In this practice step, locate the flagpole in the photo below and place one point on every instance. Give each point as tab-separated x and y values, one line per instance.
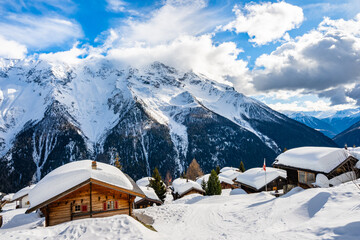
265	174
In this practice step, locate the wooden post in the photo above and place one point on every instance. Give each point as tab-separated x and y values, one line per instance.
71	211
90	200
129	206
47	216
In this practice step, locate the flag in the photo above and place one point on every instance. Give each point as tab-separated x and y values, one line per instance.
264	167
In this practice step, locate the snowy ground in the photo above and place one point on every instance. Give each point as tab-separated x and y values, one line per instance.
328	213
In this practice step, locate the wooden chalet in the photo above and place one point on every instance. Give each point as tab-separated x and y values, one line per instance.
254	180
150	198
83	189
182	187
225	183
21	197
303	164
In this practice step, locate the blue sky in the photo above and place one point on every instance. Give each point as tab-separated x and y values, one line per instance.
272	50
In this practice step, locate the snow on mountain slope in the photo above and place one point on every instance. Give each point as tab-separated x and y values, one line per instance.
315	123
319	213
53	113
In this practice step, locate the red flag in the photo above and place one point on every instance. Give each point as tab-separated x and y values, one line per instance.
264	167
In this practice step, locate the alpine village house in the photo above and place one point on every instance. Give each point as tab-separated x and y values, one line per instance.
305	163
83	189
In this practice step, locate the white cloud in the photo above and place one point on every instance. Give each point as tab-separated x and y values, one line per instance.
70	57
11	49
190	53
320	61
115	5
308	106
174	19
39	32
266	22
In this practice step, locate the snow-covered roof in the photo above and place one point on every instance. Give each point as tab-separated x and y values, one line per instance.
181	186
144	182
74	173
149	193
224	169
355	152
255	177
206	178
321	159
8	197
230	174
22	192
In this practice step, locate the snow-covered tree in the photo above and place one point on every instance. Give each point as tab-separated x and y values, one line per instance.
158	185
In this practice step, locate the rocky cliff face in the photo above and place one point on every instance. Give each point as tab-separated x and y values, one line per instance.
156	116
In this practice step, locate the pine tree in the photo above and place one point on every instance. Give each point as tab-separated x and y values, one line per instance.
157	184
242	167
203	184
213	185
194	170
217	169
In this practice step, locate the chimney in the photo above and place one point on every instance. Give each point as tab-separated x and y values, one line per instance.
93	165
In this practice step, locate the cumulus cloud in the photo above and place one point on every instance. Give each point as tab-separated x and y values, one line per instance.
266	22
325	58
39	32
198	54
11	49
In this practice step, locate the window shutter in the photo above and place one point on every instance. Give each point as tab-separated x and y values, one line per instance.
104	206
116	204
84	208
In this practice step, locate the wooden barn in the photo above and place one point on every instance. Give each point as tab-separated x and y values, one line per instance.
254	179
21	197
182	187
305	163
83	189
225	182
150	198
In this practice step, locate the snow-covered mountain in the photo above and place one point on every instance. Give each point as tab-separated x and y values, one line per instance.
313	122
154	116
350	136
342	120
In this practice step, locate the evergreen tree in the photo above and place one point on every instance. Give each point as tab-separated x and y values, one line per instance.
203	185
157	184
217	169
213	185
194	170
242	167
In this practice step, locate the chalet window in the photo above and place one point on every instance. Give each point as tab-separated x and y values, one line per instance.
77	208
110	205
306	177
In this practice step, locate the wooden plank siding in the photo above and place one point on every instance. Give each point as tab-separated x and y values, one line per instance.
92	197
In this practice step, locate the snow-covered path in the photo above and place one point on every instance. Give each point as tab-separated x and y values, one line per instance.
331	213
327	213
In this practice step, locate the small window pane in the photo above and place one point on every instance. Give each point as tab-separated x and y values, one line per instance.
310	177
302	177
